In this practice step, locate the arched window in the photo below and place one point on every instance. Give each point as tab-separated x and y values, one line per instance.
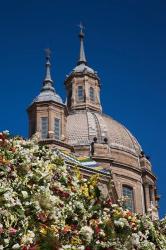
128	198
57	129
80	93
44	127
91	94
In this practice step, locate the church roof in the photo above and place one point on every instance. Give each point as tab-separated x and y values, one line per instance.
83	126
48	92
48	96
82	64
83	68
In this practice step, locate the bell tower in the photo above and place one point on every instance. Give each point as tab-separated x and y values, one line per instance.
83	84
47	113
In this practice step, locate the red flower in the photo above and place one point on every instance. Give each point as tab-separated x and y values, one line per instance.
2	136
87	248
73	227
66	195
66	229
109	202
97	230
24	248
33	248
13	149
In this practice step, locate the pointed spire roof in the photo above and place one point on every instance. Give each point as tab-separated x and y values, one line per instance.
48	82
48	92
82	65
82	57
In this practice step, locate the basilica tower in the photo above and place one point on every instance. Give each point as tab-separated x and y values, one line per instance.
83	84
47	113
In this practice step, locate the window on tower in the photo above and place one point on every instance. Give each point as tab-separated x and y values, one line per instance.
128	198
91	94
44	127
80	93
57	128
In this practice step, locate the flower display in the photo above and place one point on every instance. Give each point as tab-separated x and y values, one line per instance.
46	205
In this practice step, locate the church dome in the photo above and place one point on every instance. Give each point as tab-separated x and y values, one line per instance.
83	126
81	68
86	120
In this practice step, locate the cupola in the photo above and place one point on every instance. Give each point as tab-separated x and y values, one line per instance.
47	113
83	84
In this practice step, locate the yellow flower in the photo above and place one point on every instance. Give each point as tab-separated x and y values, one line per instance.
94	180
75	240
85	190
50	167
78	173
54	228
43	230
93	222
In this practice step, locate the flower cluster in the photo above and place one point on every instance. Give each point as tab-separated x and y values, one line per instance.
45	205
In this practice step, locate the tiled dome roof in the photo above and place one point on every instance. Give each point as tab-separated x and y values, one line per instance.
83	126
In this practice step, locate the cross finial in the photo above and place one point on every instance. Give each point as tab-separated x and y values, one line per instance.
48	53
82	58
81	27
48	80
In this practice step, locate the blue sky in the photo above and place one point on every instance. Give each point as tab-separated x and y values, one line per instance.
125	42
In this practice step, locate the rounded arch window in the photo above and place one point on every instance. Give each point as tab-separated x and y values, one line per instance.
92	94
128	195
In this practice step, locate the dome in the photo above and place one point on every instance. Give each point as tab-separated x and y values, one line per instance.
48	95
83	68
83	126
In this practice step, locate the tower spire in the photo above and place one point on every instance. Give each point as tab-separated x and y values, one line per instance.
48	82
82	57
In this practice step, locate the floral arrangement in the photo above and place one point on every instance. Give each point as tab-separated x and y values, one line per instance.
45	205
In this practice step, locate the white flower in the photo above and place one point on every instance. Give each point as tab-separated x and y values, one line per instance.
121	222
1	247
87	232
6	241
135	239
16	246
29	237
81	248
114	205
7	196
24	194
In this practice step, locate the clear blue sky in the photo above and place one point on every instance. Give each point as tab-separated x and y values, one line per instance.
126	44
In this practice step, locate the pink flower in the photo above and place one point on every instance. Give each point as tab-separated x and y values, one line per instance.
1	229
12	231
42	217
